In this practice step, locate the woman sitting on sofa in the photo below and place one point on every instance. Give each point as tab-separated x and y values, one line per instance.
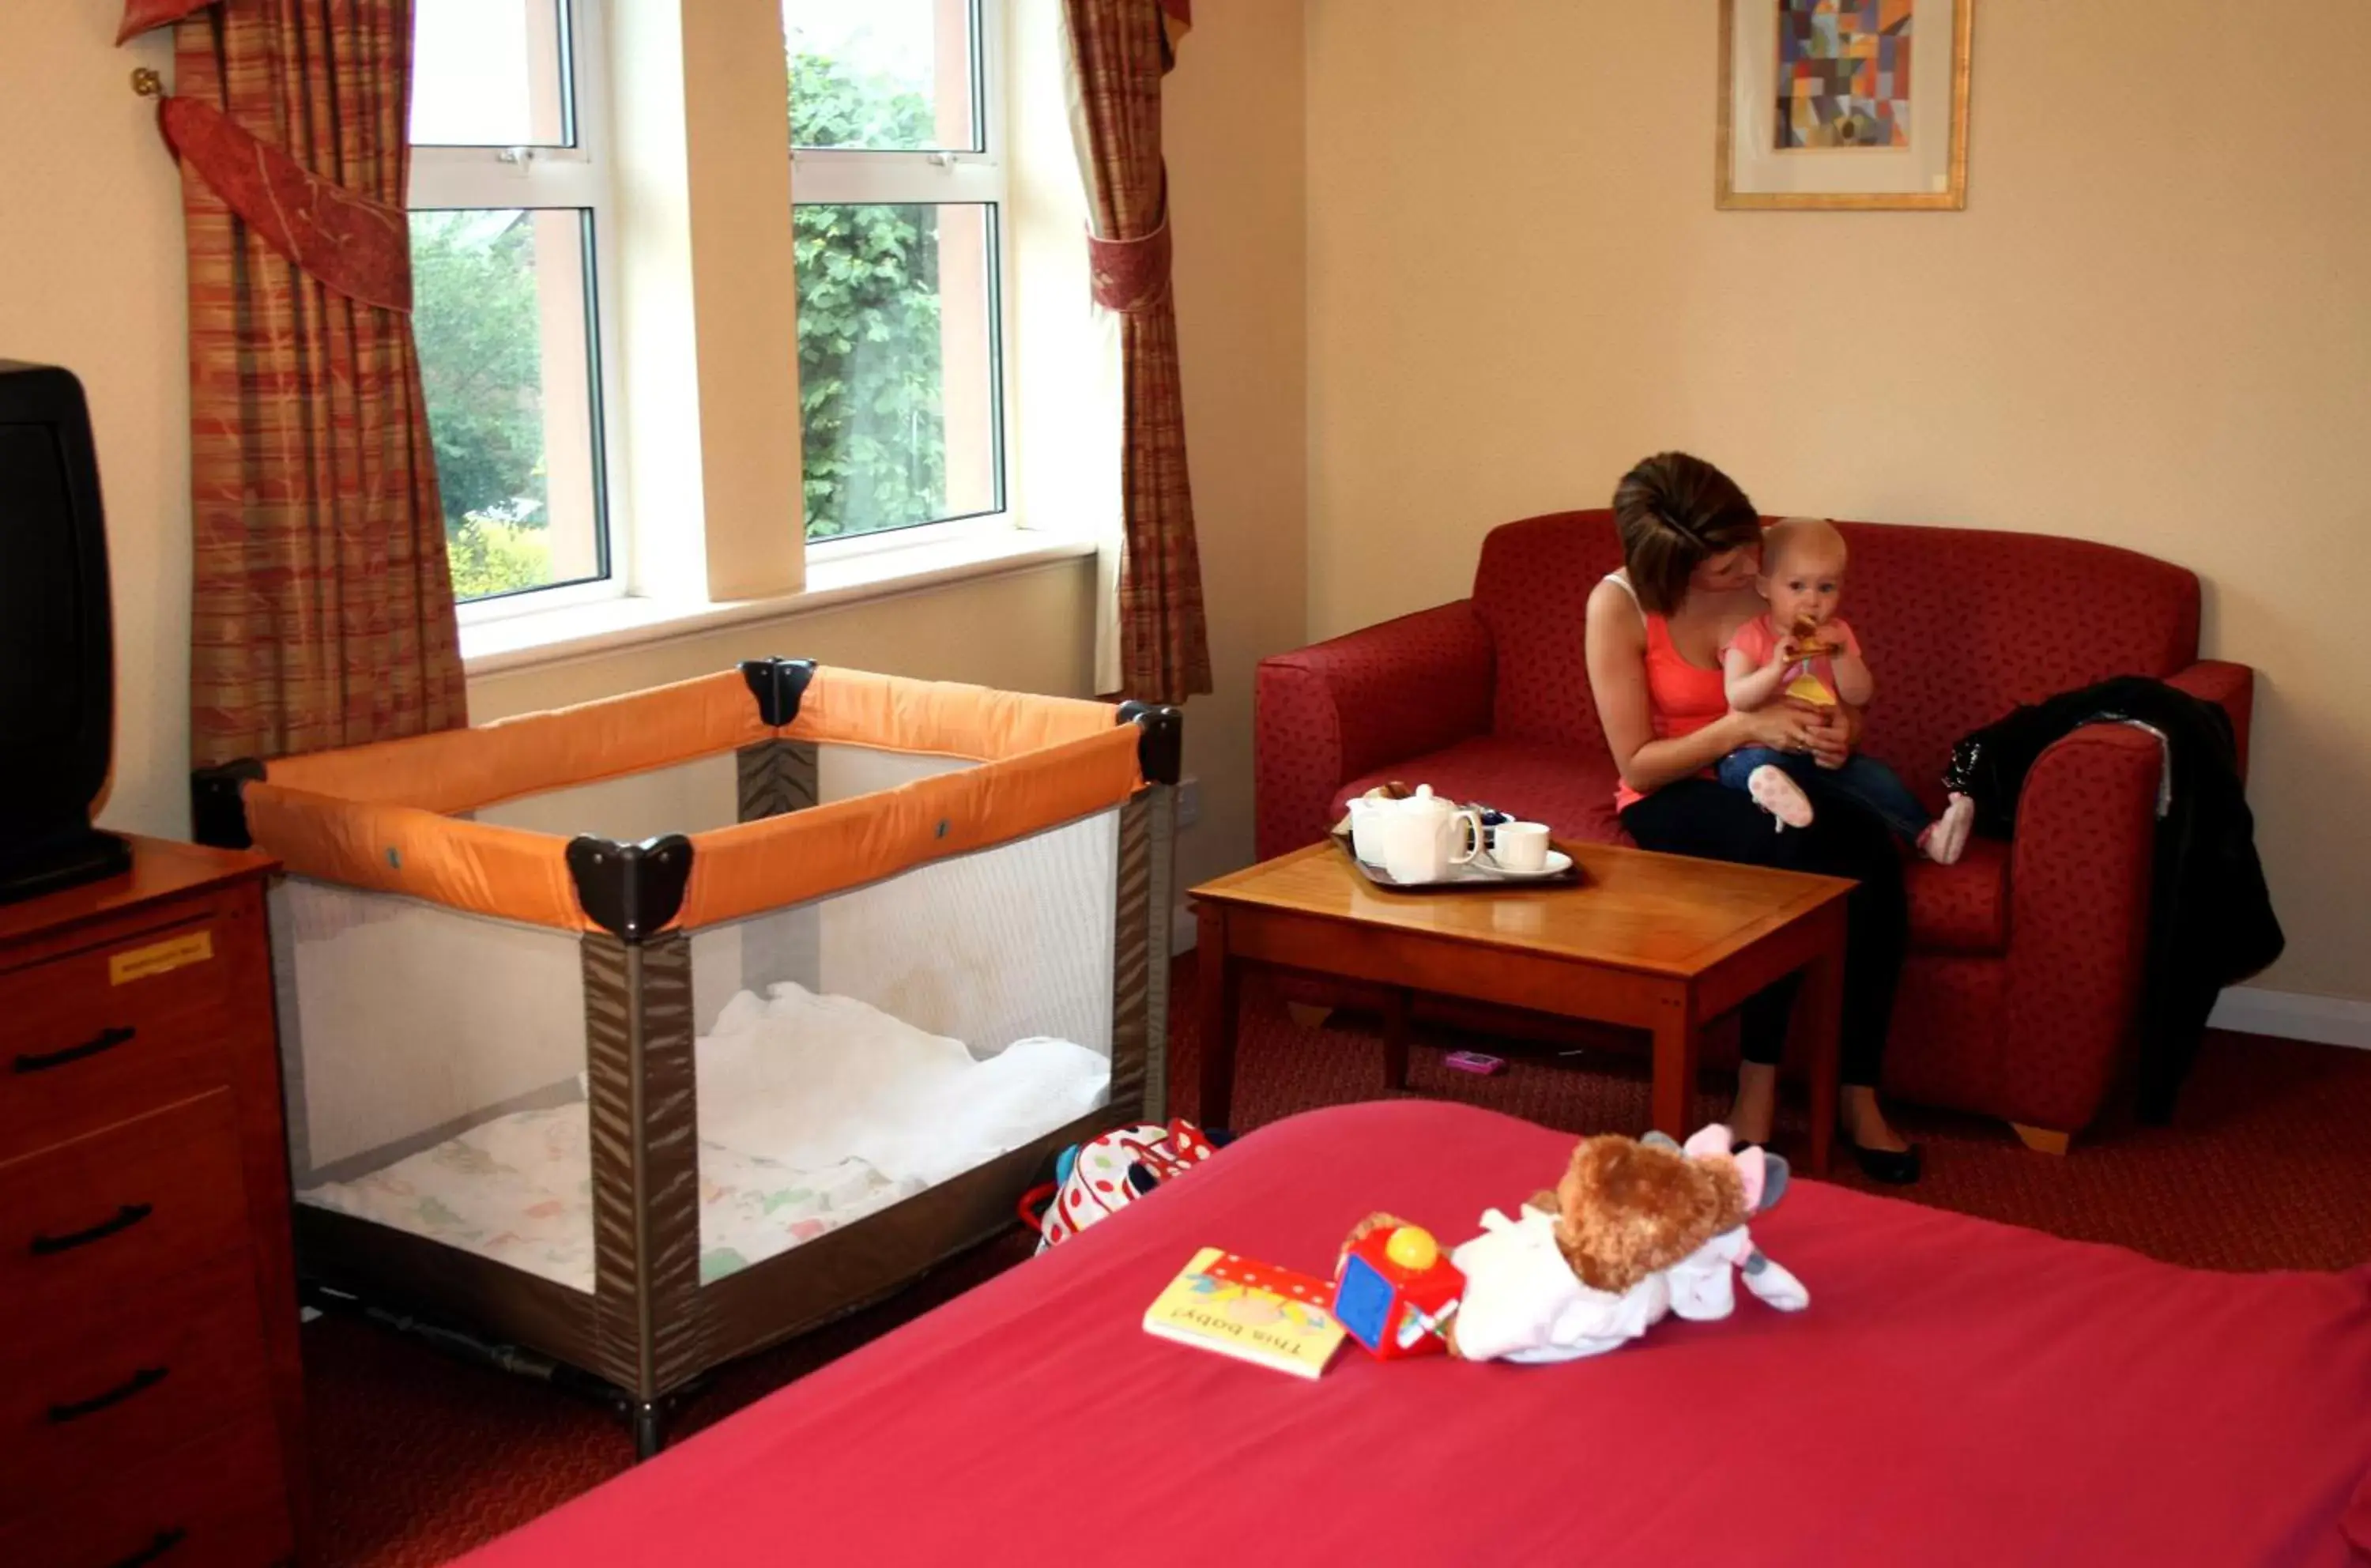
1690	544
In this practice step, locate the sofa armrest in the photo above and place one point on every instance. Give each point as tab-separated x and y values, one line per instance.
1326	714
2231	688
2080	872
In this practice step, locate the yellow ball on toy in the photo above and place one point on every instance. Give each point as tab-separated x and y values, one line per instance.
1412	1248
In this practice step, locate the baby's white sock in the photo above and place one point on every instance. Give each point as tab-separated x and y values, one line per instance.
1946	838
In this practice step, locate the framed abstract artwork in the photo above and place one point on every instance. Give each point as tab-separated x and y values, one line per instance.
1843	104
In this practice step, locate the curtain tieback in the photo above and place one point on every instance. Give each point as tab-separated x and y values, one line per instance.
349	243
343	240
1131	276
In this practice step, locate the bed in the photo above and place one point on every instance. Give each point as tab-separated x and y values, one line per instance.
1959	1391
624	1040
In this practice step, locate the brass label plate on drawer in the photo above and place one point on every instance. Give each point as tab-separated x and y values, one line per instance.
159	958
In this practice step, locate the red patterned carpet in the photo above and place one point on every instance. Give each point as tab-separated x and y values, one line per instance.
417	1458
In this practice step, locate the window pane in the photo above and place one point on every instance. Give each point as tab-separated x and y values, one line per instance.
499	307
897	377
884	75
490	74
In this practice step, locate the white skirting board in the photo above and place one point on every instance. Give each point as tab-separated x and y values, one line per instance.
2243	1010
2292	1015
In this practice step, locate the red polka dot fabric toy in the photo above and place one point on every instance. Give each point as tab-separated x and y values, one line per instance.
1098	1178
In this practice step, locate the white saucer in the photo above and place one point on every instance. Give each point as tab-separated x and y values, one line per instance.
1559	863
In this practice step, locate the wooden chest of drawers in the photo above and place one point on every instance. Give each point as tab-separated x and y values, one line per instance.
150	1402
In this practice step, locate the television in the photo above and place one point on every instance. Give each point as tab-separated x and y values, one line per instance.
57	651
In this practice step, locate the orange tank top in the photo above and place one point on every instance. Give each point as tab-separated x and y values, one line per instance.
1681	697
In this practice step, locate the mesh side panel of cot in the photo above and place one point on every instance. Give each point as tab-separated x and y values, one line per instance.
987	948
433	1063
808	1118
690	797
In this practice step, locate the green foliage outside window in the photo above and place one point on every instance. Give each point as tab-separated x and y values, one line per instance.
488	556
869	358
870	361
474	315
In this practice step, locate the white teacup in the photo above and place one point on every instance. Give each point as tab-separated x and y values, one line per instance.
1519	847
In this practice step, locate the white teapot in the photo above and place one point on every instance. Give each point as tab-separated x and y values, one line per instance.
1419	839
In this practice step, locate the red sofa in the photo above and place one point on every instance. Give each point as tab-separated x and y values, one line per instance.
2020	993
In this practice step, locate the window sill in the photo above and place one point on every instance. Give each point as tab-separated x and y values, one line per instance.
544	636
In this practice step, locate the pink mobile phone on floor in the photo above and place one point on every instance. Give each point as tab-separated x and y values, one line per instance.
1474	1062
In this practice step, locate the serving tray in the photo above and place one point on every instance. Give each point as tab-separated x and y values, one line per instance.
1473	877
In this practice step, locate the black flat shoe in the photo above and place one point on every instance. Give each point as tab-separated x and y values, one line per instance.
1895	1168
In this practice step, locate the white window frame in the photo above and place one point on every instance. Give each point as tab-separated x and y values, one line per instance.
834	177
576	177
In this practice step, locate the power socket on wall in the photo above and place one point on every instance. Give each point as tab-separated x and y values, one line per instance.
1189	802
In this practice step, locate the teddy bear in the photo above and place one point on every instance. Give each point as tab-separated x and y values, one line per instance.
1635	1230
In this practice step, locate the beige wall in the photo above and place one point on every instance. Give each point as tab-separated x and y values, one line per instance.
2152	326
91	278
1235	127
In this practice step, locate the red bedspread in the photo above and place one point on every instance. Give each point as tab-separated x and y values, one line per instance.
1957	1393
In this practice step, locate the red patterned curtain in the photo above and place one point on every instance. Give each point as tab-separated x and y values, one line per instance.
1118	52
323	614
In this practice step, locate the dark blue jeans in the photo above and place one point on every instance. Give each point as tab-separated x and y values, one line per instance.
1863	778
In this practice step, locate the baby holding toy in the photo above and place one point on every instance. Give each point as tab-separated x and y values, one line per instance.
1817	660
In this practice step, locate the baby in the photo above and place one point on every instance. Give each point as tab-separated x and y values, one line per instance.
1816	659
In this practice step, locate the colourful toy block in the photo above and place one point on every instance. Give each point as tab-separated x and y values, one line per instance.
1395	1292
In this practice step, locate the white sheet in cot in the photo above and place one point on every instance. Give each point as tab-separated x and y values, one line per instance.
813	1112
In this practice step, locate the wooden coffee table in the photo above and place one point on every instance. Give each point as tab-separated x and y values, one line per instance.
1660	942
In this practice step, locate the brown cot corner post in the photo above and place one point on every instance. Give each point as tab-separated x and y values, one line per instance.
218	803
776	777
650	1333
1148	880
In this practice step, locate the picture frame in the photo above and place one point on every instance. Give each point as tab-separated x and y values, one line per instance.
1843	105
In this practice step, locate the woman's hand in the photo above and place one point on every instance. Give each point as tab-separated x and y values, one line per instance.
1835	730
1787	726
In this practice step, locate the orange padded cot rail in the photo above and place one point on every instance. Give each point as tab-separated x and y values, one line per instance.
461	771
373	816
937	718
780	860
505	872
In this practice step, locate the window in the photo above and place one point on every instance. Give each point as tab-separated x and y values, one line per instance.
508	193
898	192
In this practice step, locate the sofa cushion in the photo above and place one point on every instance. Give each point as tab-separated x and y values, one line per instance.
1568	788
1531	590
1961	908
1961	625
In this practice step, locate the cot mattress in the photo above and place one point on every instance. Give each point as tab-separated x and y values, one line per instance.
518	1190
1957	1393
814	1111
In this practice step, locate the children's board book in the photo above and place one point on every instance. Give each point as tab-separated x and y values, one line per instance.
1250	1311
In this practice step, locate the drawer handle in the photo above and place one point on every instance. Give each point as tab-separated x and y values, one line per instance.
125	1218
105	1039
139	1382
158	1544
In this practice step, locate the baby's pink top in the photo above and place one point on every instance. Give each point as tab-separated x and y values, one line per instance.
1757	637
